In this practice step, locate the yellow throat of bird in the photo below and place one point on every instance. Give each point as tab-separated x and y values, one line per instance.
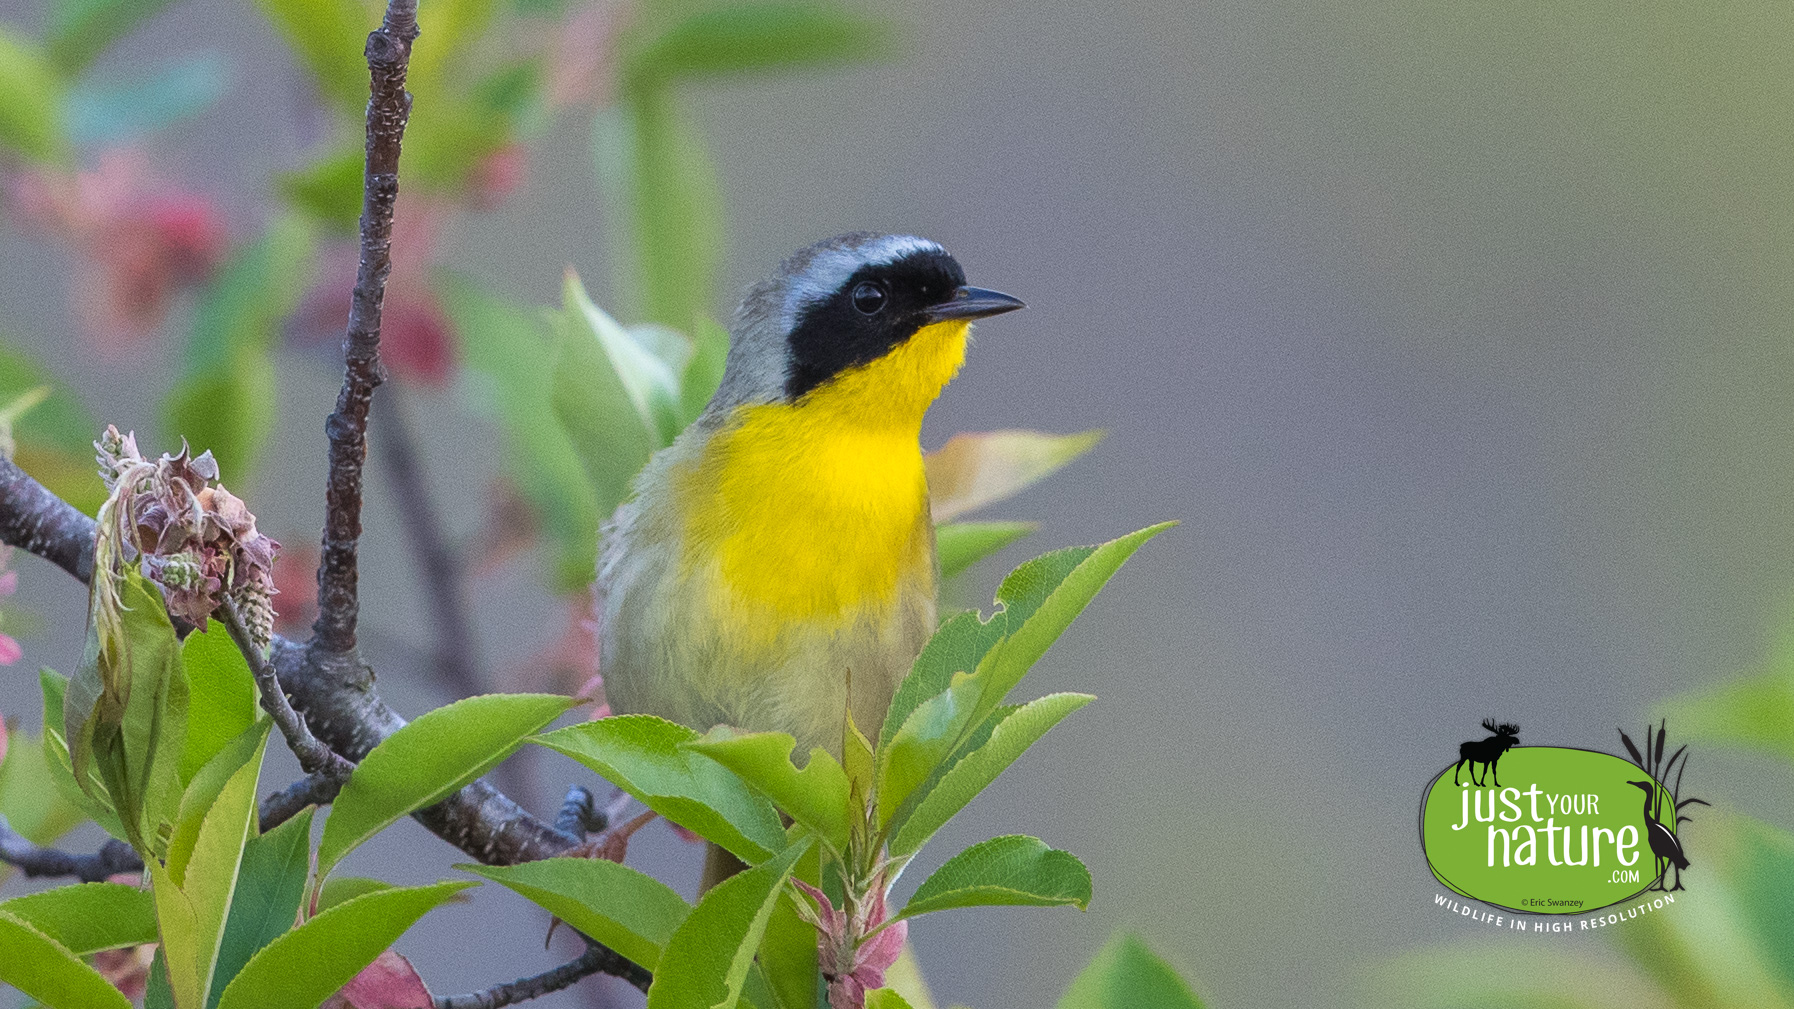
818	509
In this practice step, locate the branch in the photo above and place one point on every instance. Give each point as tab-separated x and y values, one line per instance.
114	857
334	693
39	522
311	790
597	960
444	586
314	757
389	107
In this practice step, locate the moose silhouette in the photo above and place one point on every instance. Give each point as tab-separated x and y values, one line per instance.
1486	752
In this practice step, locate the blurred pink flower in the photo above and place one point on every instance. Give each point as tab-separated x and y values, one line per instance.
141	240
296	583
496	176
416	341
10	652
128	968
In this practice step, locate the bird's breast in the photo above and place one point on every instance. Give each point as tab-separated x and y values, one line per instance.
794	518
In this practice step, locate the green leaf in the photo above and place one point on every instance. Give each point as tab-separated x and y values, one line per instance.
647	360
957	646
53	440
30	101
113	113
270	888
1013	870
595	409
975	470
221	701
89	917
42	968
510	370
885	998
652	158
202	794
706	961
1755	712
156	992
30	799
738	37
328	190
1040	599
91	799
212	872
1008	734
1764	884
1126	975
959	545
786	963
645	756
328	36
305	966
927	737
428	761
448	135
181	932
816	797
705	371
632	913
80	30
125	713
451	25
338	889
225	400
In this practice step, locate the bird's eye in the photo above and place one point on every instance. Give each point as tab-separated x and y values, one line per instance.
868	297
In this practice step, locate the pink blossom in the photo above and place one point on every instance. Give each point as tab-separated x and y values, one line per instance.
496	176
10	652
141	239
853	963
416	340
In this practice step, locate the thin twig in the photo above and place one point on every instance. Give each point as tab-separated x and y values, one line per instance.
445	590
311	790
389	107
314	757
597	960
114	857
579	813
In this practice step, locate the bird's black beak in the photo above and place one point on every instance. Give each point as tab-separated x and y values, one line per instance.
972	303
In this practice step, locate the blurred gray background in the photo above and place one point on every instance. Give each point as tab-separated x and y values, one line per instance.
1456	335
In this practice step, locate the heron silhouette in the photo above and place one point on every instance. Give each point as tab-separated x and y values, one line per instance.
1663	840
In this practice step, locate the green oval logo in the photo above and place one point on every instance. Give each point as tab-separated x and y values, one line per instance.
1548	829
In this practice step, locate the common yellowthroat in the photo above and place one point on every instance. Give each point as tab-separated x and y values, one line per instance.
782	545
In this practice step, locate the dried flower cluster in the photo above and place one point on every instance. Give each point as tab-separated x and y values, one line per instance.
186	533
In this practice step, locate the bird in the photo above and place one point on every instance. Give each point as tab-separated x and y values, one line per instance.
774	566
1664	844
